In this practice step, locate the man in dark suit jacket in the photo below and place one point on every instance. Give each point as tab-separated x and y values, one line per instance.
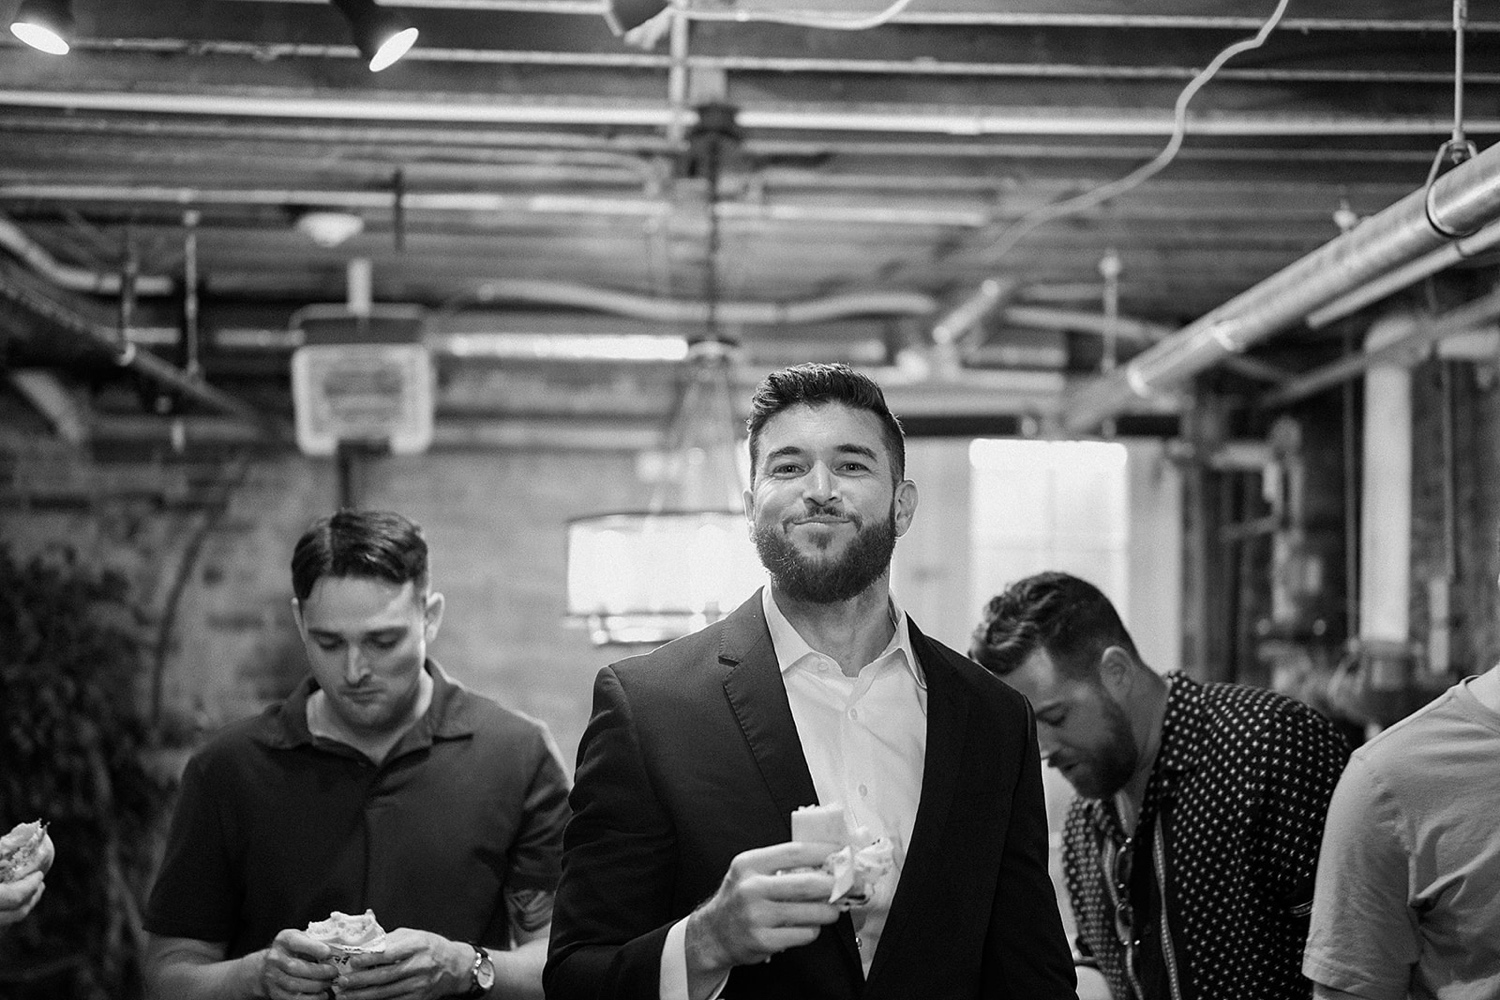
680	880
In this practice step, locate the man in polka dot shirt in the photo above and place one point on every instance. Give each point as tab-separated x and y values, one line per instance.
1191	849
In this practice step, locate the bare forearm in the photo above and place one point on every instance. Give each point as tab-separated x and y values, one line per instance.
518	972
231	979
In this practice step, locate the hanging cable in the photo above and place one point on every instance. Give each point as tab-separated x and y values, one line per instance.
1015	232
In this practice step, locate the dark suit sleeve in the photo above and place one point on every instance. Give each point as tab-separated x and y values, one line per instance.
619	857
1026	950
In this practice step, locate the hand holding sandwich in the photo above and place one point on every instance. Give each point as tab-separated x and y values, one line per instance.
762	908
295	965
415	965
26	854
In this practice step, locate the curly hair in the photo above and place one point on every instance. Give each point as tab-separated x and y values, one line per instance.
1068	618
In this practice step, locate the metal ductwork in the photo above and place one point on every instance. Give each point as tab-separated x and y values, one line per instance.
1455	205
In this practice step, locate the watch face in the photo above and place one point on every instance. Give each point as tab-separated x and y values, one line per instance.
484	971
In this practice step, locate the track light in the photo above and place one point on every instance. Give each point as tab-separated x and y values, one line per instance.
627	15
382	37
44	25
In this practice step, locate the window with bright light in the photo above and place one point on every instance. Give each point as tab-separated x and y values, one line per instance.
1049	505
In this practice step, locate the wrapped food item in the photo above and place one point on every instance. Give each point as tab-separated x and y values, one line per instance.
821	824
858	865
21	850
347	935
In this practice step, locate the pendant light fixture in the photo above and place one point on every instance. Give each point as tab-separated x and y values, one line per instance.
381	36
45	25
687	560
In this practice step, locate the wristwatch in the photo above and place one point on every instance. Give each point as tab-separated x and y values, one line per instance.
481	973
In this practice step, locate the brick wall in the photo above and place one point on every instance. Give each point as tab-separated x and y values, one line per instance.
494	520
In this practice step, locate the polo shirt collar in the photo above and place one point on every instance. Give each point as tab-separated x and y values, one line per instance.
447	717
791	648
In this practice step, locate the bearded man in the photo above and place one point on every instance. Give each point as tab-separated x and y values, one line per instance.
1191	849
680	877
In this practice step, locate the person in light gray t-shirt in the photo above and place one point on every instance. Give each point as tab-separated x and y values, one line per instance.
1407	902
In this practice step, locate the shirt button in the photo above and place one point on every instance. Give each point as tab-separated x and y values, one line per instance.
853	713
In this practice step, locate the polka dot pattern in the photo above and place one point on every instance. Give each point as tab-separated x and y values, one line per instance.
1241	785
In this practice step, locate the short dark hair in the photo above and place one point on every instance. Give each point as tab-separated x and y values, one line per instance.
1068	618
363	543
817	384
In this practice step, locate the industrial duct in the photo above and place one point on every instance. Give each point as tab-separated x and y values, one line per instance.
1456	204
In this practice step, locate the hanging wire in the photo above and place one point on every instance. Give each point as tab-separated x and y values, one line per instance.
1014	233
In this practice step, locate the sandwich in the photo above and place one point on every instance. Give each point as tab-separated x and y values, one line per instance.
861	860
348	935
21	850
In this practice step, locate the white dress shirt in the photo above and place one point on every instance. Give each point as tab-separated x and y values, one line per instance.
865	740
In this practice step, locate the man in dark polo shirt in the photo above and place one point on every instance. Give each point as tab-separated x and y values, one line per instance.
379	784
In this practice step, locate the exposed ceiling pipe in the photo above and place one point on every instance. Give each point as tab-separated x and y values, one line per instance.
74	279
557	293
928	14
873	212
1018	121
1462	200
1406	344
968	314
1040	317
1404	277
676	63
631	150
1385	500
45	392
560	293
104	339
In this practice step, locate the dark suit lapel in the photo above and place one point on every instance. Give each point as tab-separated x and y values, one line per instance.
947	722
757	695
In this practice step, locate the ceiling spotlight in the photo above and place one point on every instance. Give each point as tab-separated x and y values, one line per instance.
328	228
381	35
627	15
44	25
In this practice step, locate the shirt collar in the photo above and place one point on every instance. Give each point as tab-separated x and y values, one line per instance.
1182	738
1182	727
447	717
791	648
